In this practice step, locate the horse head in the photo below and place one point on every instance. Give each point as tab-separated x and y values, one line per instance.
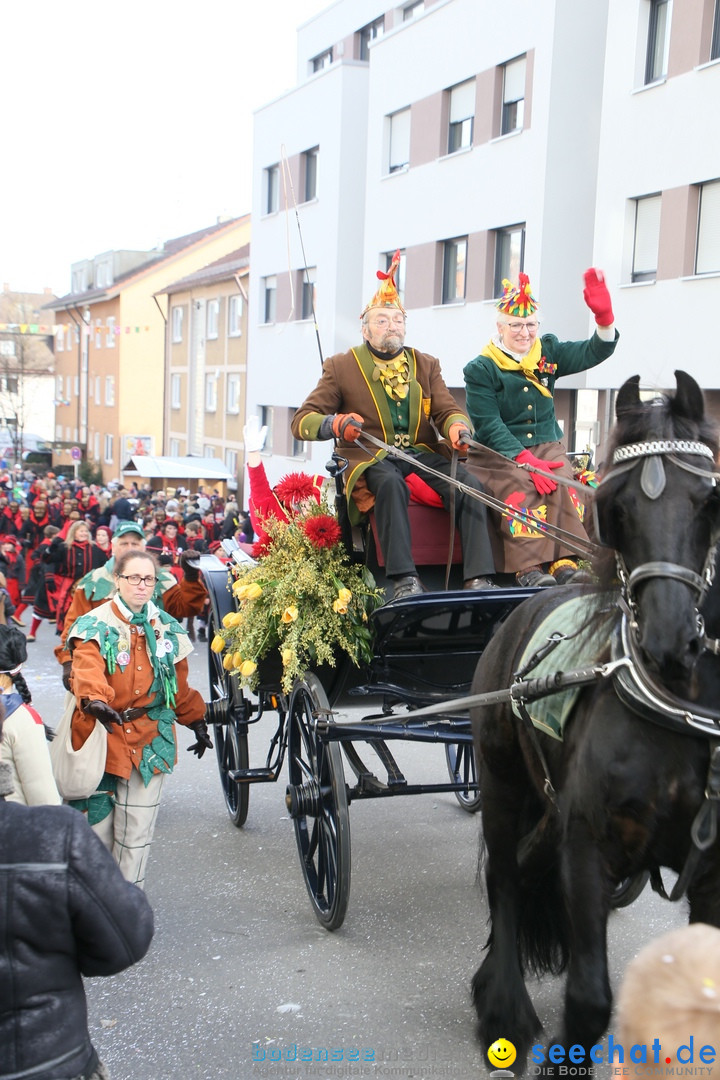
658	507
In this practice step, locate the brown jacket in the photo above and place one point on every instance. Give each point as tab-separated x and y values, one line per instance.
347	385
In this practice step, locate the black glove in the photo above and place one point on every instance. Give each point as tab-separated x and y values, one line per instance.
102	712
67	671
190	565
204	742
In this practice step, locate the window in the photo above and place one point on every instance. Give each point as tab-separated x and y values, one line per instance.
59	388
76	381
513	107
298	448
272	189
109	439
267	420
310	163
715	46
322	60
80	279
658	44
646	238
98	333
399	146
462	114
9	384
59	339
103	275
454	266
235	310
97	389
96	445
68	387
175	391
178	314
411	11
210	393
212	319
110	340
90	390
232	395
174	447
307	292
7	348
509	255
269	299
399	274
368	33
208	451
707	260
109	389
231	461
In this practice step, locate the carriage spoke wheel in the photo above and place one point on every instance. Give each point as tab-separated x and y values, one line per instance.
462	766
628	890
317	801
230	735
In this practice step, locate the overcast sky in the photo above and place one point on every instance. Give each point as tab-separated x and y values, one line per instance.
127	123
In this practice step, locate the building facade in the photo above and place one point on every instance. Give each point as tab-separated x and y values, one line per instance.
110	346
206	361
27	367
549	138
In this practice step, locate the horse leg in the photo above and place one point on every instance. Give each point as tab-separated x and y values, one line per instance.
499	993
588	998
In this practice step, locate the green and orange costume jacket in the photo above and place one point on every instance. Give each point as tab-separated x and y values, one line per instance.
349	383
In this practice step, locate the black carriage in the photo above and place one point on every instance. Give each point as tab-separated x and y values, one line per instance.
426	649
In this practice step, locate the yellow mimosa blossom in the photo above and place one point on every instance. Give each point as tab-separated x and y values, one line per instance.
287	655
217	644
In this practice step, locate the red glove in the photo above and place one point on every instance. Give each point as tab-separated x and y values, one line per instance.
455	434
347	426
597	297
543	484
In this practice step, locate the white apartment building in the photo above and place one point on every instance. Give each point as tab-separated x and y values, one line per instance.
481	140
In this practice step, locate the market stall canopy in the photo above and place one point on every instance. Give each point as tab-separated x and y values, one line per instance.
177	468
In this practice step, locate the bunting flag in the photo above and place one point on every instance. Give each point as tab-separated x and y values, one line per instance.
28	328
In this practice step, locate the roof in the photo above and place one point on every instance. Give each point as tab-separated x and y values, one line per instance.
168	250
177	468
219	270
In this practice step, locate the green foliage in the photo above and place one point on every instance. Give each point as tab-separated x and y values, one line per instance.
90	472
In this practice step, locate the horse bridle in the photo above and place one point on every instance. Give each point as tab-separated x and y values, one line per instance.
652	483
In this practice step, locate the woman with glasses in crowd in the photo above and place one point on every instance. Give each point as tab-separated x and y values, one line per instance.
130	672
509	399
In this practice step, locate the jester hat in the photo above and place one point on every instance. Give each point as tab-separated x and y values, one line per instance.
387	294
518	301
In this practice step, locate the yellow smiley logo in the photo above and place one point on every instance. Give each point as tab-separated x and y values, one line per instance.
502	1053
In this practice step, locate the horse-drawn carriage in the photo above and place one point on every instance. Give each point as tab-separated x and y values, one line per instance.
567	820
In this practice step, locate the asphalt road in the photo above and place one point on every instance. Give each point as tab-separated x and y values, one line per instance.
241	978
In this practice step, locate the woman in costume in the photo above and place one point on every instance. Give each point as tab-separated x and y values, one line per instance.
509	398
130	672
72	560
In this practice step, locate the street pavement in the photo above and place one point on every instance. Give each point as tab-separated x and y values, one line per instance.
242	981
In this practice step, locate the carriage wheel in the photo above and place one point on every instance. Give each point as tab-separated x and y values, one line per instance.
462	766
629	889
317	801
230	737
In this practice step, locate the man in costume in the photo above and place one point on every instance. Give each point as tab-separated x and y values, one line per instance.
396	394
179	599
509	397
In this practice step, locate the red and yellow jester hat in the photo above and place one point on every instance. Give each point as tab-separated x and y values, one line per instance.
387	295
519	301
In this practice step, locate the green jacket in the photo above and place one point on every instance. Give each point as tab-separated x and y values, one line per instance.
507	412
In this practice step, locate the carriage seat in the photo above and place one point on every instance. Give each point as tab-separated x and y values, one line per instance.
430	533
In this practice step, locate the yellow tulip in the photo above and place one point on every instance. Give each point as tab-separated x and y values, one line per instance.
237	660
247	668
231	619
253	591
217	644
340	607
290	614
228	661
344	596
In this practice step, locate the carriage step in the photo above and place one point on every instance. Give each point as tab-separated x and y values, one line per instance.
251	776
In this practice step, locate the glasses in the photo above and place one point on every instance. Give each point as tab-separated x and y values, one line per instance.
382	321
518	327
137	579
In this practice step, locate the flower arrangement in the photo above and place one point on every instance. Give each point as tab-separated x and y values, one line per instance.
303	598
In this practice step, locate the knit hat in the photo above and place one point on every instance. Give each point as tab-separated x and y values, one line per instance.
519	301
13	649
387	295
128	527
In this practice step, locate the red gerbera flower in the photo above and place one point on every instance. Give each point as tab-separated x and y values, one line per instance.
323	530
296	487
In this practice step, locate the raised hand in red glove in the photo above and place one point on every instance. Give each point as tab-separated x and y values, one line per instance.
597	297
347	426
543	484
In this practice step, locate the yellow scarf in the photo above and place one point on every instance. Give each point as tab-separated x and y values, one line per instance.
527	363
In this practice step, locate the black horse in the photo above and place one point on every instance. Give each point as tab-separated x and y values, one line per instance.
624	792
